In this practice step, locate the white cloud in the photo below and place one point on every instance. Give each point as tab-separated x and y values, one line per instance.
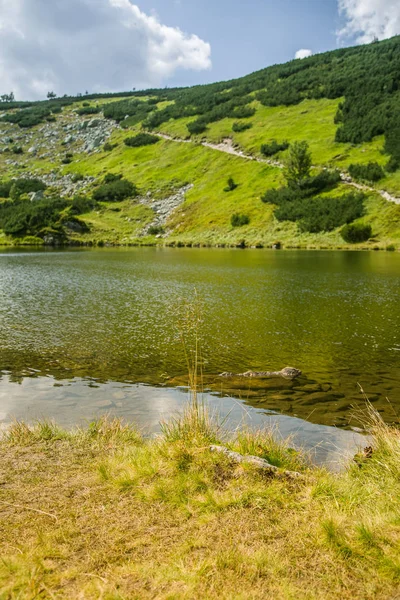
303	53
70	46
367	19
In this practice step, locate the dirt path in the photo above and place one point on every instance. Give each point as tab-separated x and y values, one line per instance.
227	147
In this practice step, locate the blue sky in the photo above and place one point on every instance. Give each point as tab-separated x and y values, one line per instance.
70	46
249	35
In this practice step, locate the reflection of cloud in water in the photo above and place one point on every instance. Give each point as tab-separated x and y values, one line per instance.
78	401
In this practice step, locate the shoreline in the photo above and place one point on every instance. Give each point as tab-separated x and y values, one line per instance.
201	245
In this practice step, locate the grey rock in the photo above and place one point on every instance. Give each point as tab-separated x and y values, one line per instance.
35	196
94	123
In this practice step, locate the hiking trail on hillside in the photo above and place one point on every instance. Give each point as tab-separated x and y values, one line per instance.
227	146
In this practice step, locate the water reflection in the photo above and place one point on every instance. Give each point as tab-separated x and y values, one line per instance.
78	401
109	315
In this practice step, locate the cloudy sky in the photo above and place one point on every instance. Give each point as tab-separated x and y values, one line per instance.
71	46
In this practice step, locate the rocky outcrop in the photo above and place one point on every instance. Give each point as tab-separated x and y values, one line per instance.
70	130
286	373
163	209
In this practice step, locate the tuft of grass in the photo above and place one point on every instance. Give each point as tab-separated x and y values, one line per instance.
20	433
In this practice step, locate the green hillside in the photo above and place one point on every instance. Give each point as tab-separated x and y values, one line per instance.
57	159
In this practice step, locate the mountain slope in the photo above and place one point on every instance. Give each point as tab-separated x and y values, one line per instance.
181	178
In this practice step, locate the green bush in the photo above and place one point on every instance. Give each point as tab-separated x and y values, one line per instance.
77	177
142	139
155	230
197	127
115	191
392	140
322	214
17	150
111	177
5	188
135	110
239	127
392	165
231	185
369	172
354	233
238	220
315	214
88	110
273	148
108	147
243	112
29	218
81	205
324	181
25	186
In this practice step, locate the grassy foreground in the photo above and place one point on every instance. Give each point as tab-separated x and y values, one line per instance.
104	513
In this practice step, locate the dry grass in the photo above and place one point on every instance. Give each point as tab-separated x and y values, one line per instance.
103	513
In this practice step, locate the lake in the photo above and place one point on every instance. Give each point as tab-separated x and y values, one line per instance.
83	332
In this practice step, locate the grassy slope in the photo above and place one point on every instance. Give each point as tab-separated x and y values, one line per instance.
105	514
205	216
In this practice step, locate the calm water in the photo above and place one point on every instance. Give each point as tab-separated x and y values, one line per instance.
82	331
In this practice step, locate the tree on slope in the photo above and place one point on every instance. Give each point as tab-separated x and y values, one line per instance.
298	164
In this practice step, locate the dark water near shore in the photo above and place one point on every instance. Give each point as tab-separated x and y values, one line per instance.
108	318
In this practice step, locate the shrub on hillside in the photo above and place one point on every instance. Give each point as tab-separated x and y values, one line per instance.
238	220
315	214
231	185
243	112
369	172
5	188
155	230
322	214
89	110
81	205
392	165
77	177
115	191
197	127
239	127
273	148
29	218
324	181
108	147
354	233
25	186
142	139
111	177
17	150
392	143
135	110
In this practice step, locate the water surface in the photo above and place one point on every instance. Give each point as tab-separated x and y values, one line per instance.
109	317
